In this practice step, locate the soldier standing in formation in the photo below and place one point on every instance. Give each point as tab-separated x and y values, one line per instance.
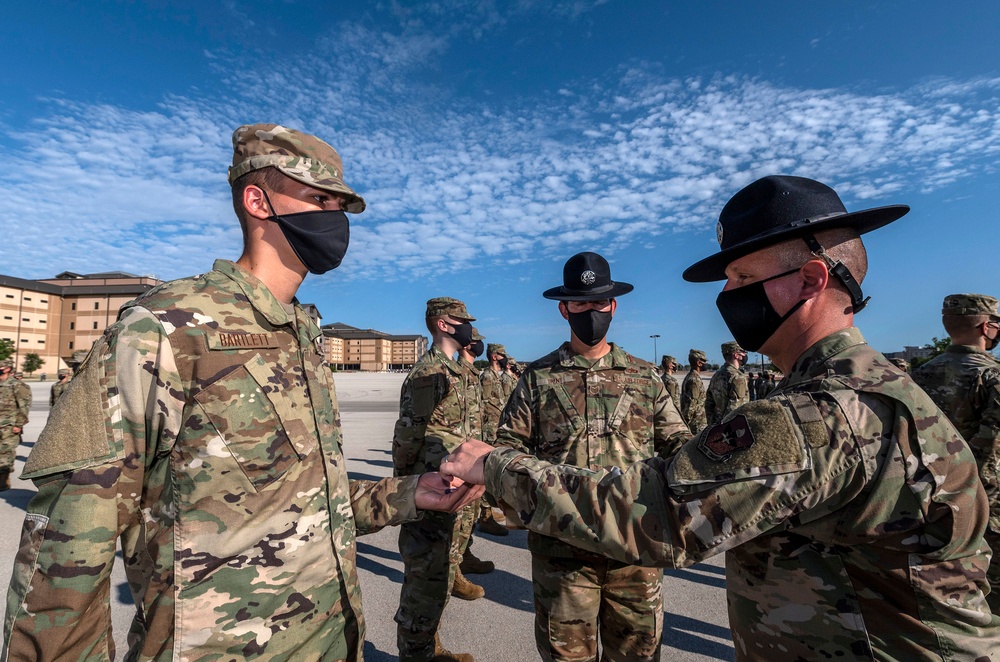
765	385
964	382
494	400
591	405
668	366
465	520
59	386
203	432
693	392
15	404
728	389
435	416
850	508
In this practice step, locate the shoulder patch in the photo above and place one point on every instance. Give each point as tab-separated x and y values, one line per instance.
758	439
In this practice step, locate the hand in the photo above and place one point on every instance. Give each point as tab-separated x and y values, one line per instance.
467	462
435	492
16	430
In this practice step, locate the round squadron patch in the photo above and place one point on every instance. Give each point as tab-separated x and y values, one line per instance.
718	232
725	439
588	277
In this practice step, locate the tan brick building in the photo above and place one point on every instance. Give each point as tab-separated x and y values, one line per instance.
59	316
349	348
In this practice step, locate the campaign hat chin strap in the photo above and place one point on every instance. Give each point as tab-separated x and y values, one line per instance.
842	273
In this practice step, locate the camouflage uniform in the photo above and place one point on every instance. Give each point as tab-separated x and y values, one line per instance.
435	416
203	432
727	390
592	414
58	388
465	520
15	403
493	393
693	396
964	382
847	503
673	388
764	386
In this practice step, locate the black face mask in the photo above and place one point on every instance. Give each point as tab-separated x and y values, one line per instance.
462	334
749	314
319	238
991	343
477	348
590	326
503	363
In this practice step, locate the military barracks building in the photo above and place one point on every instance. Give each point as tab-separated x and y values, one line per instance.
61	318
350	348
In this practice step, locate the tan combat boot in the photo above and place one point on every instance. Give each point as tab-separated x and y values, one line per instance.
488	523
442	654
471	565
464	589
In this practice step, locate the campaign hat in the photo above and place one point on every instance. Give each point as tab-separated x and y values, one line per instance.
587	277
776	208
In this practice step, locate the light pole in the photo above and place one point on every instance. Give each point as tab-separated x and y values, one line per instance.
654	337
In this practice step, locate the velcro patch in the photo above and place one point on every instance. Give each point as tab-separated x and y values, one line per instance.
721	441
241	340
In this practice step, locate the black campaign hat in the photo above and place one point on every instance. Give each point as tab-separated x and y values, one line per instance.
780	207
587	277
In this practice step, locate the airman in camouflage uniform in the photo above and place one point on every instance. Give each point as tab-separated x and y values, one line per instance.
494	400
765	385
965	382
847	502
15	403
59	386
693	392
728	389
589	404
203	433
436	414
668	365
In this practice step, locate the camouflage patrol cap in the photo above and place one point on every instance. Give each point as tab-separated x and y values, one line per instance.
64	372
697	354
496	348
303	157
731	347
7	363
901	364
970	304
441	306
666	359
18	374
476	335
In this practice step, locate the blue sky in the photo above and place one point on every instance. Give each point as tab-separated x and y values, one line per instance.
492	140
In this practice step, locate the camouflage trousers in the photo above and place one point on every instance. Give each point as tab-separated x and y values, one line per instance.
428	547
576	600
9	441
461	537
987	454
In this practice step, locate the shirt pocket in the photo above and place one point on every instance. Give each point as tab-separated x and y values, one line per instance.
253	418
631	424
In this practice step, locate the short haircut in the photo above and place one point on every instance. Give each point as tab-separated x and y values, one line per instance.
269	179
841	244
961	325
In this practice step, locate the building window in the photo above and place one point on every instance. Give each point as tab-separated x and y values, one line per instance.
7	317
25	319
41	342
10	296
71	344
72	325
95	325
24	340
27	298
41	321
97	305
72	306
43	300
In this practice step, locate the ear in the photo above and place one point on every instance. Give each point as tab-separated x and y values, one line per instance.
815	276
255	204
614	306
563	310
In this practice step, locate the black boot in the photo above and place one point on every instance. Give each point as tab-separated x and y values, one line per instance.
4	479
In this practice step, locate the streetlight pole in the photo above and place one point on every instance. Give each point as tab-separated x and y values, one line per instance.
654	337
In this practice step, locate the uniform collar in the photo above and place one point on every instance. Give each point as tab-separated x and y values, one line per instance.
256	292
812	363
449	362
616	358
966	349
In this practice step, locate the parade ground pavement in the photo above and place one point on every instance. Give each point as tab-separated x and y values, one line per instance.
496	628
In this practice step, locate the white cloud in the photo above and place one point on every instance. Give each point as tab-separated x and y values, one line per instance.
456	184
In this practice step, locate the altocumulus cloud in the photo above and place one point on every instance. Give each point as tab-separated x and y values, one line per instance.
453	183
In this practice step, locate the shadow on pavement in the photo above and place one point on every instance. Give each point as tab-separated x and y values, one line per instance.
683	633
697	575
372	654
17	497
355	475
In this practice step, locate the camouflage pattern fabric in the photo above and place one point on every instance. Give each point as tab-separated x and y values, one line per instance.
493	390
764	387
693	402
15	403
435	416
568	601
965	383
727	391
673	388
202	432
58	388
466	518
848	503
597	414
